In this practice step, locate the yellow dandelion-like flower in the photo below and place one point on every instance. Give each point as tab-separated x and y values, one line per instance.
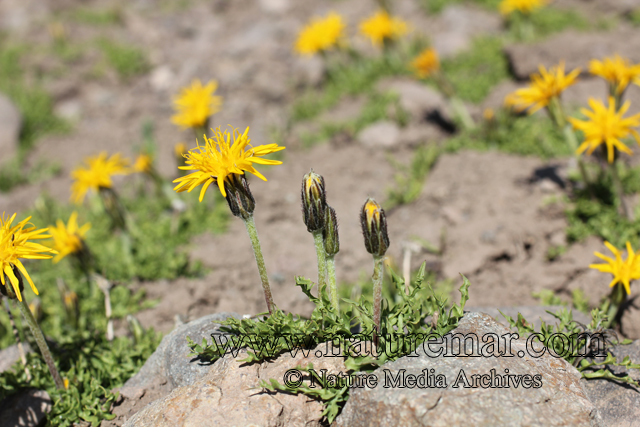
143	163
616	70
544	86
220	158
623	271
67	239
606	126
426	63
321	34
523	6
195	104
97	174
382	26
15	245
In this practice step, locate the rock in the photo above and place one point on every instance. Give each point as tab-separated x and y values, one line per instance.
415	135
534	314
630	321
161	78
274	6
309	70
229	394
70	109
10	126
559	401
11	355
383	134
495	99
27	408
576	49
461	25
171	359
421	102
618	404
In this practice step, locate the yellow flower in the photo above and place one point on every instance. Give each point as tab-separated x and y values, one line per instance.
143	163
544	87
426	63
606	126
381	27
196	104
220	158
623	271
97	175
179	149
14	245
523	6
616	70
67	239
321	34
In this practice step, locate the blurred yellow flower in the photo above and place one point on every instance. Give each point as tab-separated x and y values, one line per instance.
195	104
179	149
426	63
616	70
623	271
543	87
523	6
321	34
97	174
143	163
220	158
67	239
606	126
381	27
14	245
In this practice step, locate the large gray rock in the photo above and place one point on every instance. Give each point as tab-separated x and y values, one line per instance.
617	403
27	408
171	360
420	101
559	401
10	126
461	24
229	394
536	314
383	134
11	355
576	49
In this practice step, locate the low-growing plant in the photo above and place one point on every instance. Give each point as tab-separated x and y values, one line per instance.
128	61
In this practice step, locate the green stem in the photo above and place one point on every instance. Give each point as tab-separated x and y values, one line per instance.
620	192
333	289
462	113
617	298
257	251
570	138
321	255
42	344
378	274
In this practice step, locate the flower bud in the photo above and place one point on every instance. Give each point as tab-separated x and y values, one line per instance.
239	197
330	232
314	201
374	228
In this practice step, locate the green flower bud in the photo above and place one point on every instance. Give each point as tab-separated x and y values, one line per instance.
239	197
314	201
374	228
330	232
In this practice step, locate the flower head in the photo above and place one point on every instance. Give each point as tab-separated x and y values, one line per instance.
321	34
623	271
195	104
15	245
314	201
523	6
381	27
616	70
143	163
97	175
374	228
544	87
67	239
606	126
220	158
426	63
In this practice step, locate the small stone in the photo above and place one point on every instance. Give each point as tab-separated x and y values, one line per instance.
421	102
452	215
384	134
548	186
309	71
69	109
161	78
10	126
27	408
274	6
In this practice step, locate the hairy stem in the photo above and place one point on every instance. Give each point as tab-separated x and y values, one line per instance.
378	274
333	288
257	251
322	261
